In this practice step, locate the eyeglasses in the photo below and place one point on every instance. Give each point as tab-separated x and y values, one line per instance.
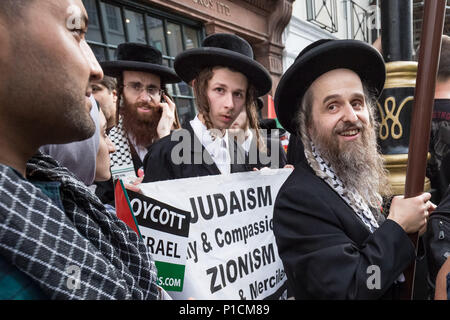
137	88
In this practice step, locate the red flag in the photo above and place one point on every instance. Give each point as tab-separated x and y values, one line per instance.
123	207
271	108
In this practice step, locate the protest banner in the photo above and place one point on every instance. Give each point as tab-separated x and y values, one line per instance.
163	228
230	251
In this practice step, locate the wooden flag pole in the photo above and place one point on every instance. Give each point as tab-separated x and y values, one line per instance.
429	52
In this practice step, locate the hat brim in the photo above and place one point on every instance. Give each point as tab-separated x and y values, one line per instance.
115	69
359	57
189	63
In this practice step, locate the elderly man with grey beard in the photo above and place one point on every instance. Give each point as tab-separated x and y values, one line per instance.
335	236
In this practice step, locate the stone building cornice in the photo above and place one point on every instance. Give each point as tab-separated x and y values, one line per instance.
266	5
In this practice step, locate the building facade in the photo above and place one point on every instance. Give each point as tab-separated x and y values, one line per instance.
343	19
330	19
176	25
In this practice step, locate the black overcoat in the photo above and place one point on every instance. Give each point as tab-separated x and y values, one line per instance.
327	252
259	159
159	164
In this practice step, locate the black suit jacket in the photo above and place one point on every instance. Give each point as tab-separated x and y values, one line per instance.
259	160
159	165
327	250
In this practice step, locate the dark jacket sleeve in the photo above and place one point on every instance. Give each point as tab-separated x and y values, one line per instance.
157	163
282	155
320	259
266	158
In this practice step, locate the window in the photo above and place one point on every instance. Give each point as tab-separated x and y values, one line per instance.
157	38
113	15
114	22
359	22
363	22
322	13
135	26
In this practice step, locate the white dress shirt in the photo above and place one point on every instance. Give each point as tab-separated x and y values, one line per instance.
140	150
217	148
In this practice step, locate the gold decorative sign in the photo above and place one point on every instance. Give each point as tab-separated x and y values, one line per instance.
390	113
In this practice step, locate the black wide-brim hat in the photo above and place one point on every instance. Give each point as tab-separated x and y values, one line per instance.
226	50
139	57
319	58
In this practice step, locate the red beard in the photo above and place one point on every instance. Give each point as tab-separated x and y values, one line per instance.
141	125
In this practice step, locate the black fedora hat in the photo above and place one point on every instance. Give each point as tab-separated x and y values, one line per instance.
227	50
318	58
270	124
139	57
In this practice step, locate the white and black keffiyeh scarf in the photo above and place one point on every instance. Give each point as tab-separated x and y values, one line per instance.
352	198
121	161
84	242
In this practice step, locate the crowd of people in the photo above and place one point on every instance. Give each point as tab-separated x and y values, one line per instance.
70	126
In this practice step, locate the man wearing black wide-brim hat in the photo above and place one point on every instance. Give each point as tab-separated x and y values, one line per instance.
333	235
226	80
145	112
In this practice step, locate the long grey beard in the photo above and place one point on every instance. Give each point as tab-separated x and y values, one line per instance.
352	197
360	167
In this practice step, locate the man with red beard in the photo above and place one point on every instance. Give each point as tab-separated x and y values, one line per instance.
333	235
146	113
